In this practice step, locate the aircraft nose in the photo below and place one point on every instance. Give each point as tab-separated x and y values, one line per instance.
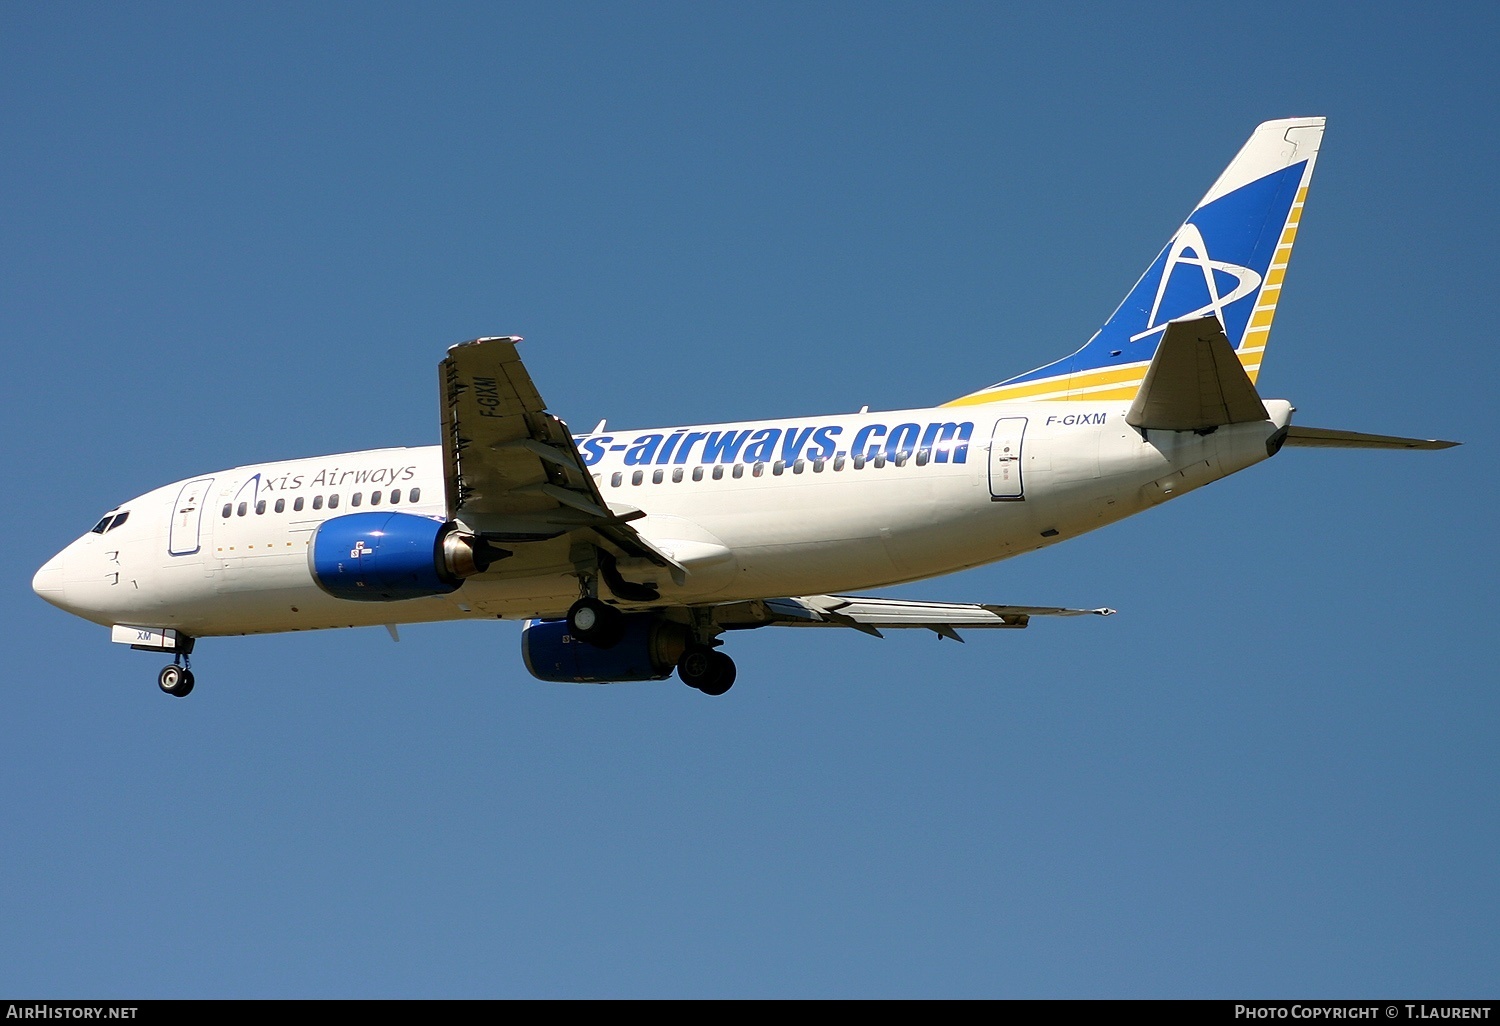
49	582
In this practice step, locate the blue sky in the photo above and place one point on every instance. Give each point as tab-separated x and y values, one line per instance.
232	234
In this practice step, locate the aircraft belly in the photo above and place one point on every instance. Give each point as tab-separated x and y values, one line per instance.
271	611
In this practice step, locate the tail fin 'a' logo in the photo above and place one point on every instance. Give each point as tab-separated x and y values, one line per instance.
1188	247
1227	260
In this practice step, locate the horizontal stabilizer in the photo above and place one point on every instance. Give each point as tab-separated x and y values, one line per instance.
1323	438
1195	382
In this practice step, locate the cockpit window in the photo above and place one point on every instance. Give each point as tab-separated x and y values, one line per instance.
109	522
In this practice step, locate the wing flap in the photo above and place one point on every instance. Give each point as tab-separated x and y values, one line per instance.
869	615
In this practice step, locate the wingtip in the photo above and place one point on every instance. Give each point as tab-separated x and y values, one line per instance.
512	339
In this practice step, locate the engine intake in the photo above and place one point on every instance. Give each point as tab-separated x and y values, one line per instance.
384	557
648	650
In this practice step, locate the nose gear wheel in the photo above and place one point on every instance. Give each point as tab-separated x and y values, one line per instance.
175	680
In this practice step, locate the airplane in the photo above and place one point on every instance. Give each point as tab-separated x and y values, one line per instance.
630	554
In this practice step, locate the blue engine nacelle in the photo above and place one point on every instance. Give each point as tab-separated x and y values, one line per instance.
381	557
649	650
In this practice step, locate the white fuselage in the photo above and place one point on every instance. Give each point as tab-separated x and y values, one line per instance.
754	510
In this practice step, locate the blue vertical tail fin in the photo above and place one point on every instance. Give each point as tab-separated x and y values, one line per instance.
1227	260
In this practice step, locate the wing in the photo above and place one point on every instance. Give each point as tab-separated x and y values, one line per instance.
512	472
870	614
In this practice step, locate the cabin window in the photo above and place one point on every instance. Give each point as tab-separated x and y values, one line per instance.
395	496
923	455
297	504
657	475
637	477
817	466
838	462
374	498
415	496
879	461
760	468
281	505
228	509
799	466
356	499
333	502
739	470
697	473
260	507
616	479
677	475
859	462
317	502
718	473
901	458
778	468
243	509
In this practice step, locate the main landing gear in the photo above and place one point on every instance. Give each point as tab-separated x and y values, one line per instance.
176	680
700	666
598	623
708	671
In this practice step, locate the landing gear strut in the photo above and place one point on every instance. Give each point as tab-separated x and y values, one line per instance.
709	671
176	680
